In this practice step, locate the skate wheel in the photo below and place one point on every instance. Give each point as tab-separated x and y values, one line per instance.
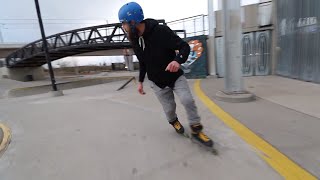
214	152
186	135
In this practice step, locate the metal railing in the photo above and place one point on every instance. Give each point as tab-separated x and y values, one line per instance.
103	37
193	26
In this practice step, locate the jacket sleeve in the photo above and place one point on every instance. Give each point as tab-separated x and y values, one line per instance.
143	71
174	42
138	53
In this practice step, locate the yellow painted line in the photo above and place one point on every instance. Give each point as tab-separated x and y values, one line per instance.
6	138
277	160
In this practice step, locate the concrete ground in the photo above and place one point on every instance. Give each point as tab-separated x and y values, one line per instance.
1	135
7	84
286	114
98	133
5	138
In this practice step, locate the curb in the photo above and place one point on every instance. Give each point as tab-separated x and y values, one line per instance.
287	168
235	98
5	138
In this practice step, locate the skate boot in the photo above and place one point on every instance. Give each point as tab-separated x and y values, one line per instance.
177	126
199	136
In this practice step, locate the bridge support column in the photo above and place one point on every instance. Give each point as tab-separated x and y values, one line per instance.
23	74
128	59
129	62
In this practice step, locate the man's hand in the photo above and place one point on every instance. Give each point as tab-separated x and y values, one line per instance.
140	89
174	66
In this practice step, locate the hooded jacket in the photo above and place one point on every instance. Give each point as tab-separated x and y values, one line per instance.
155	49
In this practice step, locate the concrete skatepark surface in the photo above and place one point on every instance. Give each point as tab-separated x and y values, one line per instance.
98	133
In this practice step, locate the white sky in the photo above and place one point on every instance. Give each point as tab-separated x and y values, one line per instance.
18	20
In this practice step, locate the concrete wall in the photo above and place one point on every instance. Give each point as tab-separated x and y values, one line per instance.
255	18
252	16
6	49
5	52
2	62
22	74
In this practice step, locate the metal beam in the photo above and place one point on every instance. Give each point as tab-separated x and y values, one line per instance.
74	45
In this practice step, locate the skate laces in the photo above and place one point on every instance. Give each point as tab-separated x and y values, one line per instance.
177	125
203	137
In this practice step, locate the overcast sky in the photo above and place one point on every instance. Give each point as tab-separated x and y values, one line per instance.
18	19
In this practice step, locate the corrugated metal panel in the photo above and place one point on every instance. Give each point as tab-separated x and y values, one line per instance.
256	57
263	53
299	39
247	54
286	43
256	54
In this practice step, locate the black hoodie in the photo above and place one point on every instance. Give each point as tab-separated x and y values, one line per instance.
155	49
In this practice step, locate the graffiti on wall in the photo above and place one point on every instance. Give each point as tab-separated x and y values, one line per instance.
196	64
195	53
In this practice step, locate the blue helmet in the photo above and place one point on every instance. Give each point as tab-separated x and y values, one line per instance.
131	11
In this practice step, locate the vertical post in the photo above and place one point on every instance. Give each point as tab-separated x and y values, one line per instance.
184	27
45	46
128	58
274	34
203	25
234	89
220	4
232	46
1	37
194	27
211	40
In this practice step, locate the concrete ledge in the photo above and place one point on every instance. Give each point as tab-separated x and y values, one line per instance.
5	138
28	91
56	93
23	74
235	97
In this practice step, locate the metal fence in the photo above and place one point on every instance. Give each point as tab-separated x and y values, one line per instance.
299	39
193	26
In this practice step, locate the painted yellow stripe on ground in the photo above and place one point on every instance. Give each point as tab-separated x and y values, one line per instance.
6	138
278	161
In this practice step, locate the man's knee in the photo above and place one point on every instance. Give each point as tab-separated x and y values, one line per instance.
169	108
187	101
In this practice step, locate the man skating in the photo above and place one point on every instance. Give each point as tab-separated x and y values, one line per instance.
155	47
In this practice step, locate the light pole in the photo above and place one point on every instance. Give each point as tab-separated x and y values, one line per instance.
232	38
45	47
211	38
234	90
1	37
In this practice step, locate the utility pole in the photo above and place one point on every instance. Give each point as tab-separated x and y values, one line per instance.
46	52
211	38
234	90
1	37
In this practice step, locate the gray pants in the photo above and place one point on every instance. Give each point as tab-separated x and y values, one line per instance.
167	100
